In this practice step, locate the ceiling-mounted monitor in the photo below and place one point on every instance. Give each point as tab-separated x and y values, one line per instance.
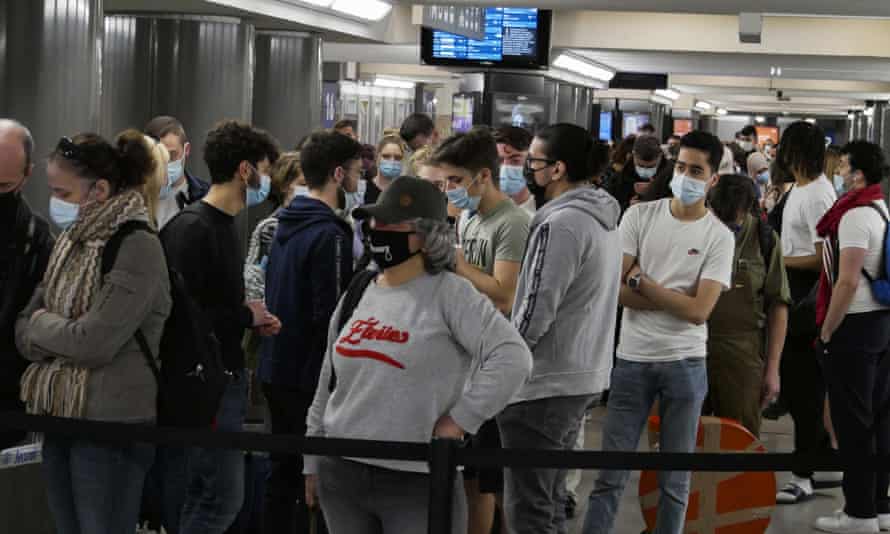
515	38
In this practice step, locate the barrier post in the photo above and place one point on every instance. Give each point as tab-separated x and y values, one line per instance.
443	465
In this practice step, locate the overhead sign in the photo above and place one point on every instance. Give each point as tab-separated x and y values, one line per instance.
467	22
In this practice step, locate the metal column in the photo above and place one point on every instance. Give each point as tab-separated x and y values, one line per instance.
197	68
287	90
50	54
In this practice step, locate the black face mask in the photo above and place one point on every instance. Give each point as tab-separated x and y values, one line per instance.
390	248
539	192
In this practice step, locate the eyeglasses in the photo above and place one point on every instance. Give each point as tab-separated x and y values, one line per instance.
530	160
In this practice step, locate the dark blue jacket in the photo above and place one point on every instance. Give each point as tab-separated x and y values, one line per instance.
197	189
310	265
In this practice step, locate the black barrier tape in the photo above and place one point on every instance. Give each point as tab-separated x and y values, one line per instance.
210	439
420	452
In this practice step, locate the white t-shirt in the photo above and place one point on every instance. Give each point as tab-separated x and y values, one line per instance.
676	255
168	207
864	228
804	208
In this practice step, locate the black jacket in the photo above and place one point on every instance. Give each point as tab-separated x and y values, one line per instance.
622	186
30	245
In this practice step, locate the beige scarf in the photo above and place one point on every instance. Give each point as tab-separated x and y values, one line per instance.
73	279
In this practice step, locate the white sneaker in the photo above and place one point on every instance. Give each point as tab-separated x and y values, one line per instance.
884	521
841	523
795	491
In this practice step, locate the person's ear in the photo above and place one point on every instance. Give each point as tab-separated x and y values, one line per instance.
485	176
102	189
28	171
339	175
559	171
186	150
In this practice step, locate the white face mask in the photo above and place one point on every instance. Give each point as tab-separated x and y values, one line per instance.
747	146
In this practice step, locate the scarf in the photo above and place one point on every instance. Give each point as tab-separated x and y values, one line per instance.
72	280
828	229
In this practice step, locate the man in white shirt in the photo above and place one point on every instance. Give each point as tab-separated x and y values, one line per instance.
677	261
802	153
181	188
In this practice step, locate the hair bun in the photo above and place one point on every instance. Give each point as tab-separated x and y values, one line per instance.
134	157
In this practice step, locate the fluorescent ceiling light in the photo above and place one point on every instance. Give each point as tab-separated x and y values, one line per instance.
869	112
319	3
721	111
811	120
851	116
701	104
582	67
760	119
363	9
668	93
393	83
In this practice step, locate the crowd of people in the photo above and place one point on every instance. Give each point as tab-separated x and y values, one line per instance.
491	287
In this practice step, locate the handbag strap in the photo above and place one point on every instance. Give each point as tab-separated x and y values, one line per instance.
149	357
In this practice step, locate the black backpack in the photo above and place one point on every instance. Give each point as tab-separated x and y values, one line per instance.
191	377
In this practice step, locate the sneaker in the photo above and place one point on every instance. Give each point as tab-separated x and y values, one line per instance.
795	491
884	521
841	523
827	479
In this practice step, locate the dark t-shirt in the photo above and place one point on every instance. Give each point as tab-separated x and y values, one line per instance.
202	244
372	193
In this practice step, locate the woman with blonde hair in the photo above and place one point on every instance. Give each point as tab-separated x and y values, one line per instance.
157	183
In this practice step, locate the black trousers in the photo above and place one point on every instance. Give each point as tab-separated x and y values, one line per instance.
802	382
857	370
285	506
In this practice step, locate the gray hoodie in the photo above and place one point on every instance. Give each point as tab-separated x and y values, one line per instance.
567	295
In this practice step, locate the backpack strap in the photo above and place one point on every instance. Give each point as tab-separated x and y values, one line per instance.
109	257
113	245
883	267
351	299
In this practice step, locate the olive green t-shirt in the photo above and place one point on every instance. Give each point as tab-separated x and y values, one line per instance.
501	235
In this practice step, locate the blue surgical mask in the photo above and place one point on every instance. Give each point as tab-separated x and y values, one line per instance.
839	184
461	199
63	213
687	190
257	196
763	178
646	173
390	169
512	179
175	170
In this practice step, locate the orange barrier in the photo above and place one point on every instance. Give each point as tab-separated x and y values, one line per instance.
719	503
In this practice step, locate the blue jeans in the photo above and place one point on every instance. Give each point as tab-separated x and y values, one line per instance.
680	388
94	489
215	488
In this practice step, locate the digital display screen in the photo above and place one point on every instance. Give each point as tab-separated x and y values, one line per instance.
462	113
633	122
605	126
509	32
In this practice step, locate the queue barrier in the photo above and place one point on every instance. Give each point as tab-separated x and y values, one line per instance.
442	455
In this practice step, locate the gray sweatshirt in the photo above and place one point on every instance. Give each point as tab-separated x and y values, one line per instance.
567	295
411	354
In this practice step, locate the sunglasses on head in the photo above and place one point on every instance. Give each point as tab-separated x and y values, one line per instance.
68	149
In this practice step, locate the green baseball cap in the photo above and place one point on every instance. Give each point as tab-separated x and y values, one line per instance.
405	199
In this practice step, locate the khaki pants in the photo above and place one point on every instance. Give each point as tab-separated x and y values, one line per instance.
735	378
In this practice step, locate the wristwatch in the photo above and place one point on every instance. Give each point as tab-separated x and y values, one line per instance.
633	282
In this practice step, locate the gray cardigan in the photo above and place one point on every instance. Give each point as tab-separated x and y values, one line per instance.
134	295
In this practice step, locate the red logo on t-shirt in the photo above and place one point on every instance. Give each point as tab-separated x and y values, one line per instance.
369	330
693	252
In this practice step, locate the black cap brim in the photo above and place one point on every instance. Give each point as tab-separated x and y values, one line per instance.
377	212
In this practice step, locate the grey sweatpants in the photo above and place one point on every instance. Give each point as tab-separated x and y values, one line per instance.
535	499
358	498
